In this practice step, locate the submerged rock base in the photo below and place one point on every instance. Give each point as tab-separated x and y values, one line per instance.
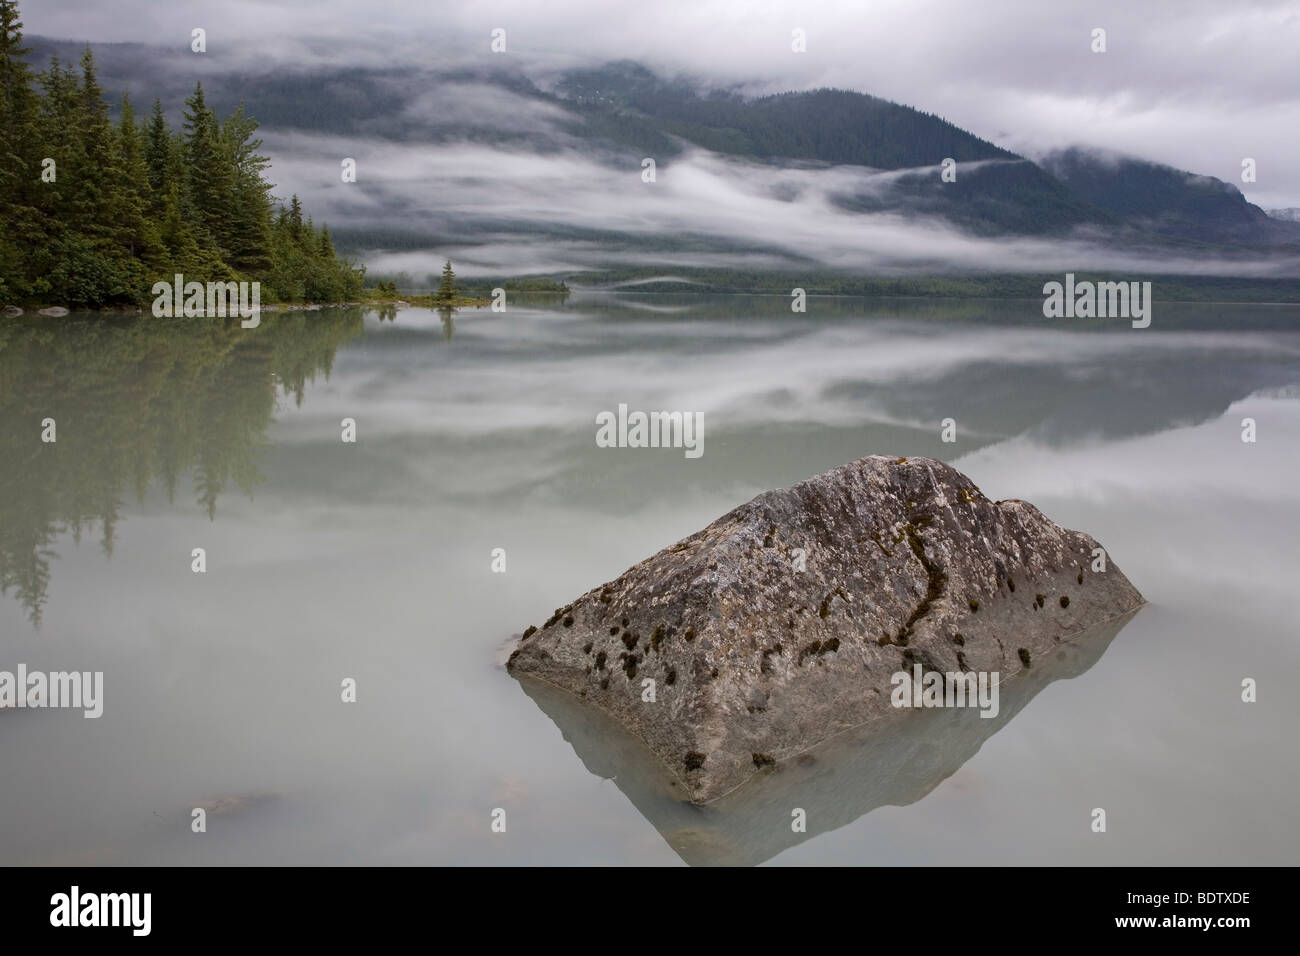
782	623
834	783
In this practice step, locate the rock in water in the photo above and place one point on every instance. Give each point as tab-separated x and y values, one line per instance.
782	623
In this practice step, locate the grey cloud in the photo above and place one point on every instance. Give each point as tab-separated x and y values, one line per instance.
1195	84
522	195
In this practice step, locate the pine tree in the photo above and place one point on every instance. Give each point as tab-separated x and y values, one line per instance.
17	101
93	264
447	286
129	202
295	218
157	148
133	198
250	209
21	226
210	178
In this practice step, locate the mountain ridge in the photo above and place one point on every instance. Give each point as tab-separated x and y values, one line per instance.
624	111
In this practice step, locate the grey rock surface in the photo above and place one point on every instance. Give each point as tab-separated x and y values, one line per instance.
834	783
780	625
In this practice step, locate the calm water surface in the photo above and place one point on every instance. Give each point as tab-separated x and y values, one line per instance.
372	560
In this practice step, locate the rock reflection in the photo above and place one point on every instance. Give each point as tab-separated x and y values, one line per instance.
834	784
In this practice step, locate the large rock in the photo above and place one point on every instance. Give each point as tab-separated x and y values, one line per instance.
781	624
834	783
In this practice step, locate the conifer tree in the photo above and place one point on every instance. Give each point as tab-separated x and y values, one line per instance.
447	286
132	199
20	223
126	204
157	148
295	218
210	176
250	201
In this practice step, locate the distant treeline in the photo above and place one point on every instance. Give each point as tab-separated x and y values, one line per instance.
394	283
93	212
1180	288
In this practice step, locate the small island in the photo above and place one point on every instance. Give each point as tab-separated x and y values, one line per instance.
446	296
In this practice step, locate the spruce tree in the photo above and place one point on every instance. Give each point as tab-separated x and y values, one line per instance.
157	148
21	226
125	203
94	267
447	286
210	178
295	218
249	217
133	198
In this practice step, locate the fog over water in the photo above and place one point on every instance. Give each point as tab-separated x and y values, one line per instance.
372	561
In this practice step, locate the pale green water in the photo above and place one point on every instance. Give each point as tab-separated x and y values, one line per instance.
373	561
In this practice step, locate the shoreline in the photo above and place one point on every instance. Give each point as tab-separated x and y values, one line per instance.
471	302
417	302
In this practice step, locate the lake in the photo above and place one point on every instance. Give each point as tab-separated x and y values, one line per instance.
374	561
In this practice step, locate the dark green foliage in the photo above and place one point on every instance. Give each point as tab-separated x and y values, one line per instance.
836	126
447	286
1167	201
629	106
124	205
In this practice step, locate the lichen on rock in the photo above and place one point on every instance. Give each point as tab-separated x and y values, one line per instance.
753	652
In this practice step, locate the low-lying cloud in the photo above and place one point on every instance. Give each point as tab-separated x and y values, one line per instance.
567	208
1196	84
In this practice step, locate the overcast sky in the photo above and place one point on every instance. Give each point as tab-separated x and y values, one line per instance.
1198	85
